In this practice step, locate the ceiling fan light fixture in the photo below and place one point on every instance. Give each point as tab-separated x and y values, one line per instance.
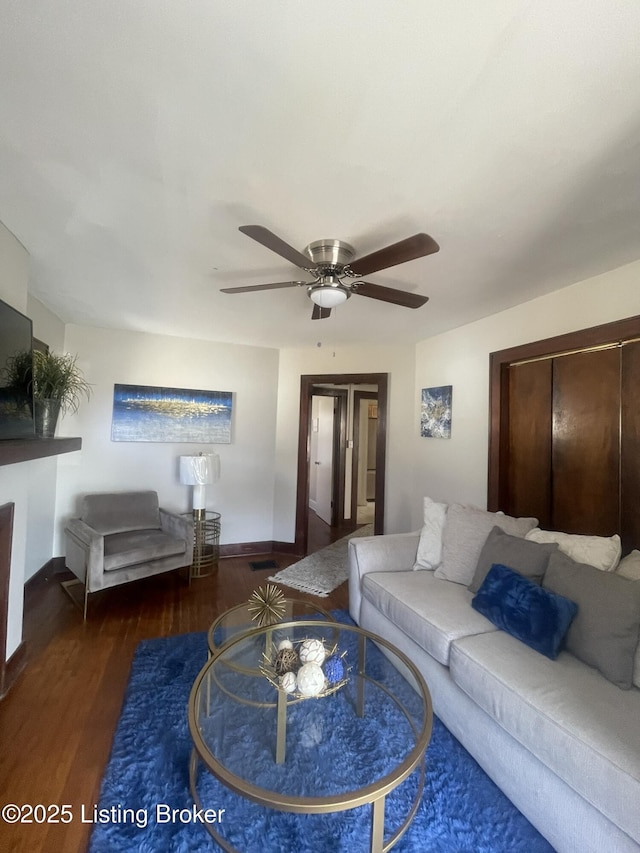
329	295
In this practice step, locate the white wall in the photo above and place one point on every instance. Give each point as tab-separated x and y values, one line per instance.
14	270
455	469
398	362
47	327
244	493
15	480
43	473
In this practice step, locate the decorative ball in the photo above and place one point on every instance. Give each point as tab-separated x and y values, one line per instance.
334	669
285	644
310	679
312	651
286	661
288	682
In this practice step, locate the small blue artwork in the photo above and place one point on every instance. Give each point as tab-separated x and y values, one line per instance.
149	413
435	412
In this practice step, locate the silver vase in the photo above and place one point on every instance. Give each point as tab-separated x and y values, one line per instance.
46	417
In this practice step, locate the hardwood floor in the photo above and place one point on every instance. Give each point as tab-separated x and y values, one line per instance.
320	534
57	722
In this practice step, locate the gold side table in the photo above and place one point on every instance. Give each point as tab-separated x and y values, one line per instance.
206	544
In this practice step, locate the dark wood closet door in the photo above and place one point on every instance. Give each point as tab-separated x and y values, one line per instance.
585	442
630	467
529	479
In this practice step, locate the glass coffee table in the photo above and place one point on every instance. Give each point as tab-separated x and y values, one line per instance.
337	757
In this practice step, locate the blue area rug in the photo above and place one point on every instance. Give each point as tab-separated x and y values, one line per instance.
147	777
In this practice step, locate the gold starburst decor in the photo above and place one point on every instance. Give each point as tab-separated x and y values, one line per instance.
266	605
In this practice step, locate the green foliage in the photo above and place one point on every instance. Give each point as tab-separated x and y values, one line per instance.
17	370
53	376
57	377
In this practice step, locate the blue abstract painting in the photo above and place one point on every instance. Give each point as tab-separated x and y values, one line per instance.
435	412
150	413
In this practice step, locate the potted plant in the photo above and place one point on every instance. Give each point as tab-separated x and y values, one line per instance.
58	386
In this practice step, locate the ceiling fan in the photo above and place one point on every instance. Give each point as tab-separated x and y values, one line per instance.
337	276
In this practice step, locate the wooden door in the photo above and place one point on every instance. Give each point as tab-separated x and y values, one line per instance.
630	447
6	537
529	422
595	432
586	442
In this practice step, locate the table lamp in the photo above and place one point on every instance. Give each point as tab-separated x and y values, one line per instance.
199	471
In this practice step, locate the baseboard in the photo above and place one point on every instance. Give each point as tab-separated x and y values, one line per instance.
57	565
287	548
250	549
12	668
54	566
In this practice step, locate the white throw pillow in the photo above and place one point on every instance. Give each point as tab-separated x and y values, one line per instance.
465	532
600	551
430	546
629	566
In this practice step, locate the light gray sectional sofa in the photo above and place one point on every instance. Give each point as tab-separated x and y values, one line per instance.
557	736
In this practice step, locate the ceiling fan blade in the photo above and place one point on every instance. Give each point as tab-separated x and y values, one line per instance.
399	253
389	294
271	241
320	313
274	286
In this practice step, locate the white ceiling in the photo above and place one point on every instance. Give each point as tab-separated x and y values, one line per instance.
135	137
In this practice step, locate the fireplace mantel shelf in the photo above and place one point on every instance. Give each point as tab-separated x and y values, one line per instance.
24	450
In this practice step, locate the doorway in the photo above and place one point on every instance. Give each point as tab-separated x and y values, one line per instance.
363	464
327	452
340	387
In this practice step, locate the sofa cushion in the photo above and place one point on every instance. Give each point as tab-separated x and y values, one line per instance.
140	546
465	533
432	612
527	558
603	552
116	512
605	632
430	546
629	566
517	605
573	720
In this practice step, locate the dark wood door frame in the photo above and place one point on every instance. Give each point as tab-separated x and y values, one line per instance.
358	397
11	667
307	383
6	535
499	362
338	462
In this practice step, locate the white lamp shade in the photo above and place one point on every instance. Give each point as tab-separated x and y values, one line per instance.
327	296
199	470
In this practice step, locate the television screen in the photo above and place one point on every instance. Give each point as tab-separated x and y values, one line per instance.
16	396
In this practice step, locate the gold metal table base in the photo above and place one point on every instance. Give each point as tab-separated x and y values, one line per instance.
413	763
206	544
377	844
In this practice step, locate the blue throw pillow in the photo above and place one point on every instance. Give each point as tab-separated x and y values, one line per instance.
533	615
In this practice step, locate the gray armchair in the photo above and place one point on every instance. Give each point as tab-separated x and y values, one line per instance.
123	536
